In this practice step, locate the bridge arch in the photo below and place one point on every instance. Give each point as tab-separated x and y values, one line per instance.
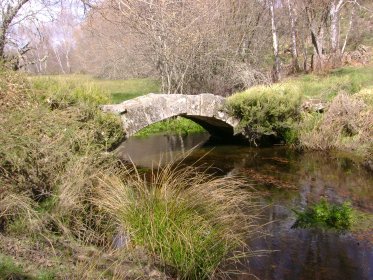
205	109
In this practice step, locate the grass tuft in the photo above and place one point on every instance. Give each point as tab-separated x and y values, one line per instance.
347	125
190	220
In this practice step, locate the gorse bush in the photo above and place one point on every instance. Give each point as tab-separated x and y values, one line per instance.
326	216
187	218
267	111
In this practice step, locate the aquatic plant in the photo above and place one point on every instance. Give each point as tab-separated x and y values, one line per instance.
325	215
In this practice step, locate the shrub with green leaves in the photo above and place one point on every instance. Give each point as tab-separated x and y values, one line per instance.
325	216
267	111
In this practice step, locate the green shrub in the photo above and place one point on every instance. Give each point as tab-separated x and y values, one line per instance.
325	216
267	111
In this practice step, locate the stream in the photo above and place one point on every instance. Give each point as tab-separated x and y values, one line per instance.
288	180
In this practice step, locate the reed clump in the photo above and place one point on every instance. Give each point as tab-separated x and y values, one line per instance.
191	221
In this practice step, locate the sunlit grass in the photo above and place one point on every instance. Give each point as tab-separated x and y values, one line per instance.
347	79
115	91
177	125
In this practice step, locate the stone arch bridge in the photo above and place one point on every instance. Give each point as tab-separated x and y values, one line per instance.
205	109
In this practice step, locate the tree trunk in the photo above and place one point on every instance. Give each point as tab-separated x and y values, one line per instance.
276	67
294	49
8	14
334	14
317	22
349	29
318	64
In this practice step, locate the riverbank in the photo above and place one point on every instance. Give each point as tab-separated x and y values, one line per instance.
59	216
287	180
334	112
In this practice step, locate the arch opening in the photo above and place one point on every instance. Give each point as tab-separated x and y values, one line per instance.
173	125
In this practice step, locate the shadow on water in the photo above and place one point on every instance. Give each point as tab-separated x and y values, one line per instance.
288	180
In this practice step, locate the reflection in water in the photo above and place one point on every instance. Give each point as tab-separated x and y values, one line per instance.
159	149
297	253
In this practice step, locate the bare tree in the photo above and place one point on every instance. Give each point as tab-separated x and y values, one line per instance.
277	64
16	12
293	34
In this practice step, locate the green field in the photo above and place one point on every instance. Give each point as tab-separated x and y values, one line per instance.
116	90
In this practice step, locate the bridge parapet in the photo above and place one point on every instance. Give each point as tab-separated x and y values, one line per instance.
206	109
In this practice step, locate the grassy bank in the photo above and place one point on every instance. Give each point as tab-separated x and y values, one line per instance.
61	190
346	122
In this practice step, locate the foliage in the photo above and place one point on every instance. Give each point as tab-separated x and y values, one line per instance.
269	111
177	125
187	218
326	216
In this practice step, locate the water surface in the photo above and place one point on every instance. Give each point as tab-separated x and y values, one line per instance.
287	180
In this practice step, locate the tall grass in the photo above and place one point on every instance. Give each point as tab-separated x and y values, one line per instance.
190	220
49	143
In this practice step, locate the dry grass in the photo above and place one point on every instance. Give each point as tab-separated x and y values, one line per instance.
347	125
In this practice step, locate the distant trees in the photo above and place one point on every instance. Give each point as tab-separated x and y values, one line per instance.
14	14
192	46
